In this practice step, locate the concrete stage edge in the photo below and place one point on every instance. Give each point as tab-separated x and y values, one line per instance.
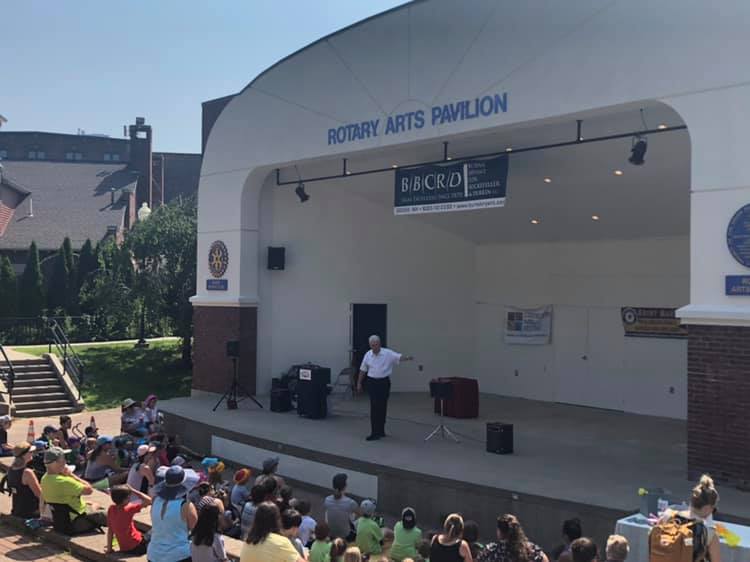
568	461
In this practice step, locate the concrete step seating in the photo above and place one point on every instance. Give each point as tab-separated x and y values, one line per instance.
91	546
37	392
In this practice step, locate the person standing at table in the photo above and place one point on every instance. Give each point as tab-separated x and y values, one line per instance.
377	366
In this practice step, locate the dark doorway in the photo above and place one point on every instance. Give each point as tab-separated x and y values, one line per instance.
367	319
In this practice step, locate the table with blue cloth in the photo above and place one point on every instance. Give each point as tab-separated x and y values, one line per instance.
636	528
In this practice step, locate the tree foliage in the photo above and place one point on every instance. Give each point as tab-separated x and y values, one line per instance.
164	248
32	285
8	289
87	263
58	290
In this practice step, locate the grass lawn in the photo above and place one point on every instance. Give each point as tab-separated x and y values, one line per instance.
118	371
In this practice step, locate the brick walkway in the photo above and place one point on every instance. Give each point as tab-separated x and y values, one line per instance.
17	546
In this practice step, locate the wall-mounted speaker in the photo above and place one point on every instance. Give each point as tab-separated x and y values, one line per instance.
233	348
276	257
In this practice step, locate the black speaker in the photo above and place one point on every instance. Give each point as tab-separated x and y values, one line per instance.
500	438
233	348
281	400
276	257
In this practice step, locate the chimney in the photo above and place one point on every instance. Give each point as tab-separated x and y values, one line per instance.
141	160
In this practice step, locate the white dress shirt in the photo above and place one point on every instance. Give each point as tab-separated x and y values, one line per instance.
381	365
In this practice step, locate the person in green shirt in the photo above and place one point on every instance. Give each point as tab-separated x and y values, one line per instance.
369	533
320	551
60	485
407	536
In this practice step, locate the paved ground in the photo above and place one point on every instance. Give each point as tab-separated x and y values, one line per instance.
108	422
17	546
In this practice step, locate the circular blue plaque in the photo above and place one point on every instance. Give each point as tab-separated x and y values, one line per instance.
738	236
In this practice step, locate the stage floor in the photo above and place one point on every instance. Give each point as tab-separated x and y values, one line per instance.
562	452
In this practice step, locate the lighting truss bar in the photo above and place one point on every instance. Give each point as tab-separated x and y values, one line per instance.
348	174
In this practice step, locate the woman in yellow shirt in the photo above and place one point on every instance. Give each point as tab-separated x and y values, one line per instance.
265	543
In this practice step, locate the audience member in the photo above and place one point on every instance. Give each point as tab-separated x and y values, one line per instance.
61	486
207	544
617	548
286	495
52	436
471	536
320	551
290	522
512	544
66	424
5	424
369	534
141	475
151	413
406	536
584	550
449	545
120	520
352	554
571	531
257	496
240	490
307	527
338	548
265	543
269	468
171	519
423	549
340	510
23	483
387	543
133	421
102	469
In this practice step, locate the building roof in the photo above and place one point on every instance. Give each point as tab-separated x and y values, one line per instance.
181	174
69	199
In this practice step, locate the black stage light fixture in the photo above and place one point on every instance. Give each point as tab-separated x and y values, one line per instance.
300	191
638	151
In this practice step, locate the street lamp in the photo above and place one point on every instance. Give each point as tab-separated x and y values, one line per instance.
143	213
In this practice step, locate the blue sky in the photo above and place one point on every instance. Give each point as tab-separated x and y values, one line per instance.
96	65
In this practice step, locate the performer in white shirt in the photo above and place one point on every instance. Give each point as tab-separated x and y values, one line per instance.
377	365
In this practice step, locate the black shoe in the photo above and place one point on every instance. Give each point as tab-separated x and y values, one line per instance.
372	437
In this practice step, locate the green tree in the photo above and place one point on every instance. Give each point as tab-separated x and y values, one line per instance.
71	285
87	263
164	248
8	289
58	289
32	285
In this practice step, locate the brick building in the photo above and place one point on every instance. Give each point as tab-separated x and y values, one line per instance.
54	185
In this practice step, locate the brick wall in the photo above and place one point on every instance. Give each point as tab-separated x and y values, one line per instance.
212	328
719	402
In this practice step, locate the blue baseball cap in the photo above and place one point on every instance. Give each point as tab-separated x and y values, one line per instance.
103	440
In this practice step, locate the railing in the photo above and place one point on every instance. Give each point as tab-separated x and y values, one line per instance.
7	374
71	363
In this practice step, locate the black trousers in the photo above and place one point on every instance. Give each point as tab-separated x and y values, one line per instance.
379	391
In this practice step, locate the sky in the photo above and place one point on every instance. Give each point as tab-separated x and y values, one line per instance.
96	65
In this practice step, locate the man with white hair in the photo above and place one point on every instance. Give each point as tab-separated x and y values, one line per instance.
378	365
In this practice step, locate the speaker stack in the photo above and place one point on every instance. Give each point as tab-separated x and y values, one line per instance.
500	438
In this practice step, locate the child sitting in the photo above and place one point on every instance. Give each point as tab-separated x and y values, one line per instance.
407	536
320	551
369	534
338	548
307	527
120	521
290	522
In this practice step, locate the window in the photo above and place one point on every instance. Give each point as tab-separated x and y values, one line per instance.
111	157
115	157
73	156
107	157
3	153
36	155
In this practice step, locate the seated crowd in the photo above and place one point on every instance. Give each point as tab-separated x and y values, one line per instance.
193	507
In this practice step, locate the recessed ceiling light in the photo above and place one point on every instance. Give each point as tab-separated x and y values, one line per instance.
618	172
509	149
535	221
547	180
348	172
661	126
594	217
449	158
394	166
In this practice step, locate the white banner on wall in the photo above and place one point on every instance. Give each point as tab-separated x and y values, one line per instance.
528	326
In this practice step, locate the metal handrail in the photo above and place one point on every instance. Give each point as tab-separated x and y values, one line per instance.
10	378
72	364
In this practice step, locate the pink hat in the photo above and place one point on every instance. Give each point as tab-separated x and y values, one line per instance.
149	398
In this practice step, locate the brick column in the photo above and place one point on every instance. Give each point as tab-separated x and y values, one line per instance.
719	402
213	327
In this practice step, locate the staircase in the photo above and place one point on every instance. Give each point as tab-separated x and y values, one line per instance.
37	391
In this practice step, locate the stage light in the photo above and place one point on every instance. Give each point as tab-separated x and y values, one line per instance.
300	191
638	151
618	172
509	149
661	126
394	166
547	180
594	218
535	221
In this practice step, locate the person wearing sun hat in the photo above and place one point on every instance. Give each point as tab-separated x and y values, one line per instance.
23	483
172	518
133	420
141	475
240	490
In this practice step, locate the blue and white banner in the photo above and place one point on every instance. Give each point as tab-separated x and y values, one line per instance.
453	186
528	326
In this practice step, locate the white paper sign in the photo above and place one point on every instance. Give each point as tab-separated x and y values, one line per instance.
528	326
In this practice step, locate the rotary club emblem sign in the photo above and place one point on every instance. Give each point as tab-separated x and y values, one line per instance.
218	261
